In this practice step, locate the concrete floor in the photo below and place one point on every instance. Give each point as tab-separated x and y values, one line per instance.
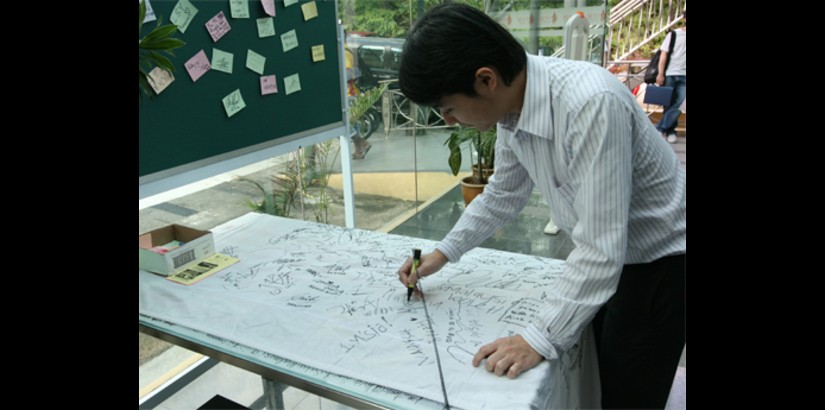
393	154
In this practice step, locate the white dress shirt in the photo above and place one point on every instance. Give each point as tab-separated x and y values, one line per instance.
611	181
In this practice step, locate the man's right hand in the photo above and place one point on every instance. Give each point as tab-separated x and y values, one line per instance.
660	79
430	263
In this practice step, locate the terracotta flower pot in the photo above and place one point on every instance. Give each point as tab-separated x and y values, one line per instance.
470	190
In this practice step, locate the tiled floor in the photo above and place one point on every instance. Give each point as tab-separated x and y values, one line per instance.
242	387
524	235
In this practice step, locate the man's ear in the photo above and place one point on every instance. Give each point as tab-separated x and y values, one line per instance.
486	80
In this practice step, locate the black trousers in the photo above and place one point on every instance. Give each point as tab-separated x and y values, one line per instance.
640	333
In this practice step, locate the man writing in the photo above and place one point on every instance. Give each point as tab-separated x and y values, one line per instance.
613	184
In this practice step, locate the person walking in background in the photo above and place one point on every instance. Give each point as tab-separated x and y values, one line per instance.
676	77
572	130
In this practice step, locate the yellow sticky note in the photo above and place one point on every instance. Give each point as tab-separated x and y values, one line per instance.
310	11
159	79
318	53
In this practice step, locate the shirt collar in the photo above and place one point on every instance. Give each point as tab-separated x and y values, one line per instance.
535	115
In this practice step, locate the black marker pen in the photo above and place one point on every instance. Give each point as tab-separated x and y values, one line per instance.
416	261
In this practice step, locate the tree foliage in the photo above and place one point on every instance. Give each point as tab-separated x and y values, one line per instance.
392	18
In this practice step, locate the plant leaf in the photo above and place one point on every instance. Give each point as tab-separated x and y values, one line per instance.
159	33
141	15
455	159
160	61
165	44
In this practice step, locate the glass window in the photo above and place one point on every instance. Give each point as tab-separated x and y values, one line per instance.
305	184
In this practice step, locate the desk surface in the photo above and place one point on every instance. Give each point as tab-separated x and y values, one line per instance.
320	307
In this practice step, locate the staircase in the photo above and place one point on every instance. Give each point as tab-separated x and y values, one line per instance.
634	23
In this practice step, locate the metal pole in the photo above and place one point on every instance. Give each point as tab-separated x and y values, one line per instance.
534	27
273	394
344	140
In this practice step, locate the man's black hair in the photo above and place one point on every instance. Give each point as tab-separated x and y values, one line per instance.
446	47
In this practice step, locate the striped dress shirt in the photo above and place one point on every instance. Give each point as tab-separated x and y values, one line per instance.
611	181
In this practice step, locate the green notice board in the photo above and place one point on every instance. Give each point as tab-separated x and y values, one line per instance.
188	122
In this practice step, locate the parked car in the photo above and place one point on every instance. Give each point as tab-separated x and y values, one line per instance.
378	59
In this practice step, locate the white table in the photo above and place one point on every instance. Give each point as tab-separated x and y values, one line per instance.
319	307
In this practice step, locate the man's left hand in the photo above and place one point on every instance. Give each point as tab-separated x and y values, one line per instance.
511	355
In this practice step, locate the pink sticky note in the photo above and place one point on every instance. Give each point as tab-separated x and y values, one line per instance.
269	7
198	65
269	85
217	26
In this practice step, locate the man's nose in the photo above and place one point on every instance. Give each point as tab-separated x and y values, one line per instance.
449	119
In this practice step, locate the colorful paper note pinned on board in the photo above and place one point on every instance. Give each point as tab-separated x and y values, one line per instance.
310	10
289	40
182	15
288	3
292	84
159	79
222	61
269	7
269	85
239	9
217	26
150	14
255	62
233	103
197	66
266	27
318	53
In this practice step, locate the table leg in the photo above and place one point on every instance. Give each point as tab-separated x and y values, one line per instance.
273	394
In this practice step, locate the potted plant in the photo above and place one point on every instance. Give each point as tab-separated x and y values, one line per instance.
151	47
362	115
484	144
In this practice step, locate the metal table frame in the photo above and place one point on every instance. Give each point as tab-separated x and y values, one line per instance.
274	381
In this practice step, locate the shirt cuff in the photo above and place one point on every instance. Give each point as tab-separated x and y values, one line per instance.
536	339
453	255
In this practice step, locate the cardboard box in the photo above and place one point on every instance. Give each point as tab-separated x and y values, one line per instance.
195	246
